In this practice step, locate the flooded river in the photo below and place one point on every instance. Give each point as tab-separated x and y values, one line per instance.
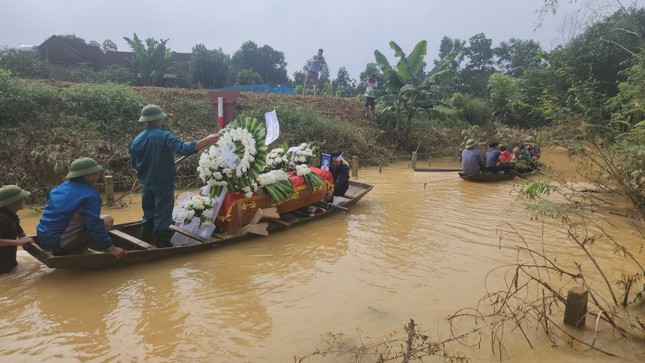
418	246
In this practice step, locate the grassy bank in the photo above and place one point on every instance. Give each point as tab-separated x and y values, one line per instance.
45	125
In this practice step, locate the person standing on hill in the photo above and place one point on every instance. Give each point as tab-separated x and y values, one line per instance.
151	155
314	69
370	96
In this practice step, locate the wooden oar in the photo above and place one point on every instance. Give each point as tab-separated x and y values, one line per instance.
438	169
138	187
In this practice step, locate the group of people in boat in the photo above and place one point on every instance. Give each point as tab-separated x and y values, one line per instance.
72	220
499	159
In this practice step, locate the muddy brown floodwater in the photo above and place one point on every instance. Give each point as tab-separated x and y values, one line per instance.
403	252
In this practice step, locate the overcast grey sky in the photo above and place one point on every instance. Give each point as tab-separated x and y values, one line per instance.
348	30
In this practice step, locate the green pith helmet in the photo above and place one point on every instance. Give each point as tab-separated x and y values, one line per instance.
530	140
10	194
83	166
470	144
151	113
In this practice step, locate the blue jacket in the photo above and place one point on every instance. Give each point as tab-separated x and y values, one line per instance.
64	201
151	154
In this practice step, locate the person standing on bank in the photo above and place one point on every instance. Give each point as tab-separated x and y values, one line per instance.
151	155
72	219
370	96
12	199
314	69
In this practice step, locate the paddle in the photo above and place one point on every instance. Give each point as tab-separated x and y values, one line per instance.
136	187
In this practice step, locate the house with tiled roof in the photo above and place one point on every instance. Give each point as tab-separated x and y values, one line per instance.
69	52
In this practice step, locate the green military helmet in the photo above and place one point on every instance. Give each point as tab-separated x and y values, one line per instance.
151	113
83	166
10	194
470	144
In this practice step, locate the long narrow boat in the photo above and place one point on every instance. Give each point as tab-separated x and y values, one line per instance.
494	177
124	236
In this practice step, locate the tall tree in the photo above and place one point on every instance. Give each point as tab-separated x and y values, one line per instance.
210	68
478	57
109	46
150	60
516	56
344	83
266	61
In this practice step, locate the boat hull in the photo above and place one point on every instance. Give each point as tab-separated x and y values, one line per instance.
139	253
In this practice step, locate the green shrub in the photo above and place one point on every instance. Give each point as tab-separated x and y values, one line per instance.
303	125
23	101
24	64
471	108
81	73
117	74
115	106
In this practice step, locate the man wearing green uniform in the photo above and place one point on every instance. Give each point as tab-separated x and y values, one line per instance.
151	154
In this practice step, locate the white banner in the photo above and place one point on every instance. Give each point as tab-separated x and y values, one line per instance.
273	127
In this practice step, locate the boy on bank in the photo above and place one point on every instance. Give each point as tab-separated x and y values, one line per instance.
12	199
72	219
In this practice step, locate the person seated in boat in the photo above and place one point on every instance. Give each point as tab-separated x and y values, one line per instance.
472	161
533	148
505	156
12	199
72	219
340	171
494	162
522	160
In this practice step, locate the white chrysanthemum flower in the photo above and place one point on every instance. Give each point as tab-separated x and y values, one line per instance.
302	170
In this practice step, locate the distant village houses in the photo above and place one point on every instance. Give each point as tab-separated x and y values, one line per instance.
71	52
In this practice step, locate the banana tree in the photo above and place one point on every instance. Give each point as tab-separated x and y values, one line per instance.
150	60
409	90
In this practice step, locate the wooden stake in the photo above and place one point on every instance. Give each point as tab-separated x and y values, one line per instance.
413	163
575	312
355	166
109	190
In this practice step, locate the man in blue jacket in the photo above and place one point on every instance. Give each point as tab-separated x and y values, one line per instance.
151	155
72	217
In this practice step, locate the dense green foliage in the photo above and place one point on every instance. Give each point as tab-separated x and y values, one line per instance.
150	60
265	61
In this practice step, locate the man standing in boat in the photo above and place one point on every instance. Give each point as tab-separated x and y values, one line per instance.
151	155
472	161
72	217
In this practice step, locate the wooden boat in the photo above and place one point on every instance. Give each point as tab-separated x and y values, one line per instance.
124	236
494	177
437	170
